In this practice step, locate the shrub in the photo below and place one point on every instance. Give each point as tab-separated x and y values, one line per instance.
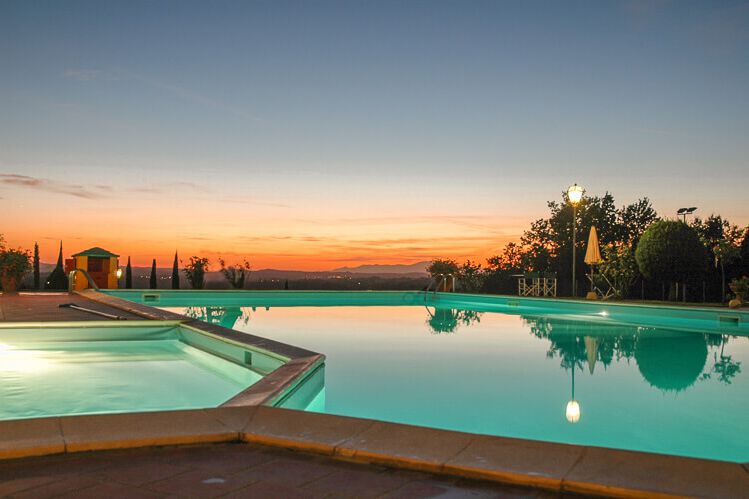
619	267
14	263
670	251
740	286
195	271
235	274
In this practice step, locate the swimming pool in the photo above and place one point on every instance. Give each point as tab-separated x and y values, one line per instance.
54	369
657	379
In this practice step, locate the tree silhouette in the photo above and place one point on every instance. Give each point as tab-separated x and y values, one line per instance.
56	279
152	283
128	275
175	272
37	277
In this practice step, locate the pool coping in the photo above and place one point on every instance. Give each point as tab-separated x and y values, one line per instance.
546	465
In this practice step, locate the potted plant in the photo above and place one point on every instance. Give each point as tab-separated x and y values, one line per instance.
740	288
14	263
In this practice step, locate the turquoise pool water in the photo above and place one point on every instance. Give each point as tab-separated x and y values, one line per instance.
512	369
90	373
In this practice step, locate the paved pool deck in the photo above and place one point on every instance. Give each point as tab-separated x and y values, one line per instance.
45	307
229	470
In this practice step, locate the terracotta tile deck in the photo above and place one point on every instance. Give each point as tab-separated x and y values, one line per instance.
45	307
228	470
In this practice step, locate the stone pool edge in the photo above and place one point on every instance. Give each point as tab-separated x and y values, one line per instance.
544	465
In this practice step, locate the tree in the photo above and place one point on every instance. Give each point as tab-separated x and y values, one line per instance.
152	282
175	272
470	277
726	252
440	267
744	252
195	271
719	237
619	267
670	251
633	219
511	259
286	284
235	274
37	277
128	275
14	263
57	279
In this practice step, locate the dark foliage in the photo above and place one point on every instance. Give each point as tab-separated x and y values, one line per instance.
37	276
57	280
152	280
128	275
175	272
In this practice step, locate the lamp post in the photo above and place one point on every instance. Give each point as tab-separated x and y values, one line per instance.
119	274
574	194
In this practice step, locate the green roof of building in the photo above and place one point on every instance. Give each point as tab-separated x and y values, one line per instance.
97	252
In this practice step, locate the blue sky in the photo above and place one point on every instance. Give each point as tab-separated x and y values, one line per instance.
320	117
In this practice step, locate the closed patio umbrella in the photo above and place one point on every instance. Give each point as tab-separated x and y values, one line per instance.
593	253
591	351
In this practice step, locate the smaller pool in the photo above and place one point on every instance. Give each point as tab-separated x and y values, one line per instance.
94	368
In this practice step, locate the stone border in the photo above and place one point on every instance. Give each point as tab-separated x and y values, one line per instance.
549	466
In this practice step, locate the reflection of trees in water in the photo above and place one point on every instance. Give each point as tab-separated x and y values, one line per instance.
448	320
724	367
223	316
668	360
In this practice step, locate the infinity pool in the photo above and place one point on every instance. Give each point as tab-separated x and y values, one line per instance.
57	371
569	373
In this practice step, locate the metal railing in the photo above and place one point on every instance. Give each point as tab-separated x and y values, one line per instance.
71	280
444	282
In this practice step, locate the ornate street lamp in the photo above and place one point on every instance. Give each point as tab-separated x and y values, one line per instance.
575	195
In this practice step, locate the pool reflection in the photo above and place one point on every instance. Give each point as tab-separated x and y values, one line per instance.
670	361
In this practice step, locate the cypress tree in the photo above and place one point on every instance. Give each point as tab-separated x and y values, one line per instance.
152	280
128	275
57	280
175	272
286	284
36	267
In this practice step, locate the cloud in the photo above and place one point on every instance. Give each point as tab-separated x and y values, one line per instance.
79	74
90	74
46	185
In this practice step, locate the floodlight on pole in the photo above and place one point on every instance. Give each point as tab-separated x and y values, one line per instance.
683	212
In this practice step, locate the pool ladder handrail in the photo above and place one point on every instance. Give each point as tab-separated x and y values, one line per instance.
441	281
71	280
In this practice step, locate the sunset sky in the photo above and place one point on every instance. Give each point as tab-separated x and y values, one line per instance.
313	135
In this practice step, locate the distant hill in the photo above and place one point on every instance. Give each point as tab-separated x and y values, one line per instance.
414	268
400	277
